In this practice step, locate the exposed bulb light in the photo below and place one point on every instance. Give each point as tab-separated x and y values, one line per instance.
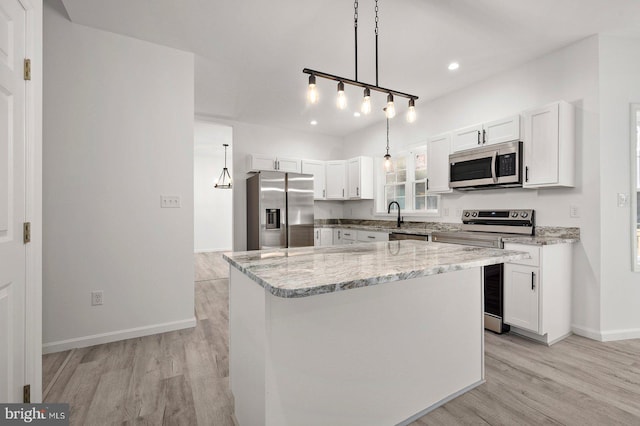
387	163
453	66
224	181
342	99
313	122
356	114
312	91
365	108
411	112
390	110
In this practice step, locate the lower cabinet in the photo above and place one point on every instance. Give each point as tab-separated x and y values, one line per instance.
369	237
323	237
351	236
537	292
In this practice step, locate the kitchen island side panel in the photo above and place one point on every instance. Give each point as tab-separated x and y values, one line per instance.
376	355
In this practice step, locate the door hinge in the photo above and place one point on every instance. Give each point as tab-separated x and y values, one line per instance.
26	232
26	394
27	69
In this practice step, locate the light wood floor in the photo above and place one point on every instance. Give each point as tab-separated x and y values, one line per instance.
182	377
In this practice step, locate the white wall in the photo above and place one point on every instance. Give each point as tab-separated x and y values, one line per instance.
212	208
619	87
118	133
569	74
257	139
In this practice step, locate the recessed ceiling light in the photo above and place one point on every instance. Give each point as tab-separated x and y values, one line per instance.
356	114
313	122
454	66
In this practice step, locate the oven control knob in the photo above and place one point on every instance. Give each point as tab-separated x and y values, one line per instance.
466	214
474	214
514	214
524	214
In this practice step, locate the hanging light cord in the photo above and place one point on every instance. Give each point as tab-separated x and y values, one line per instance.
355	30
376	30
387	136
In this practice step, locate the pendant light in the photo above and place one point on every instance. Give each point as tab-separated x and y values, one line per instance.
387	156
365	108
224	181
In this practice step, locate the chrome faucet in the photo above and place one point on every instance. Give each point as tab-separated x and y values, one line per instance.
389	211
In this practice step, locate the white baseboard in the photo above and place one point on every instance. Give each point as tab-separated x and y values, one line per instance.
113	336
608	335
213	250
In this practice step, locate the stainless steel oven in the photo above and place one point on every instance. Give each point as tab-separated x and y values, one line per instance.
498	165
487	228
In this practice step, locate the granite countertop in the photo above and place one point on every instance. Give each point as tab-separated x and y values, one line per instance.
308	271
389	230
540	240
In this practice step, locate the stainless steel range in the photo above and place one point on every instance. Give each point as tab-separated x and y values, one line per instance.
488	228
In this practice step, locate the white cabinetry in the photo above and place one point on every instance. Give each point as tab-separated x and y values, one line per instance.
257	162
360	178
317	169
349	236
438	163
549	146
336	179
537	292
337	236
369	237
497	131
323	237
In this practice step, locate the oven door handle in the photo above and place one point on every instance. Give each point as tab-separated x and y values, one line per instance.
494	173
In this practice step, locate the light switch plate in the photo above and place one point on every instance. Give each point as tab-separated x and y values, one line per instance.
170	201
574	211
623	199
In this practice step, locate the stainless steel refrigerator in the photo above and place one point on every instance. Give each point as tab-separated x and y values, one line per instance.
279	210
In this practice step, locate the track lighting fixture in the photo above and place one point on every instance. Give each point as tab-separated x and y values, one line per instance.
365	108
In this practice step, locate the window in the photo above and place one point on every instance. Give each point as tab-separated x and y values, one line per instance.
406	183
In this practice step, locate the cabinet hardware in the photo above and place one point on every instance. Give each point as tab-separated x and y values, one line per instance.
357	191
26	394
26	232
526	174
338	234
323	193
371	236
478	137
427	184
484	136
27	69
317	235
342	192
533	281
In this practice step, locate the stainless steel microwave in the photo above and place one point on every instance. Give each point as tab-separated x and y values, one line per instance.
492	166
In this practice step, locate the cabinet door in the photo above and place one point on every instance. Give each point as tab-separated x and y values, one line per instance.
467	138
317	242
438	163
349	236
317	169
337	236
326	236
541	138
503	130
336	176
261	162
290	165
353	173
521	296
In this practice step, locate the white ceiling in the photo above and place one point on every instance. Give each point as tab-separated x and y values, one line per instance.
250	53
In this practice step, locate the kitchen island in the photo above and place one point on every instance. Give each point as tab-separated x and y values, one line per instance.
374	333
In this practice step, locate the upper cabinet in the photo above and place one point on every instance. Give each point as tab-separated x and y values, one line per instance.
437	163
360	178
497	131
317	169
257	162
336	179
549	146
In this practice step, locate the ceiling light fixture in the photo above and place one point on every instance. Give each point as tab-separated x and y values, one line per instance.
356	114
411	112
453	66
313	122
224	181
312	94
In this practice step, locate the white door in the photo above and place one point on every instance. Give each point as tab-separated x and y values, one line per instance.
326	236
353	167
12	201
317	169
503	130
467	138
521	300
336	176
438	163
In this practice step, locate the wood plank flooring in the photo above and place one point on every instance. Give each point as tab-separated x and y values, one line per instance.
182	377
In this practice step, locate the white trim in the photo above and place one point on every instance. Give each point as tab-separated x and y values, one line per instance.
589	333
212	250
633	204
114	336
623	334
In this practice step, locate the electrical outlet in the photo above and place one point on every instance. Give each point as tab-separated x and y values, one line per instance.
170	201
574	211
623	199
96	298
445	211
